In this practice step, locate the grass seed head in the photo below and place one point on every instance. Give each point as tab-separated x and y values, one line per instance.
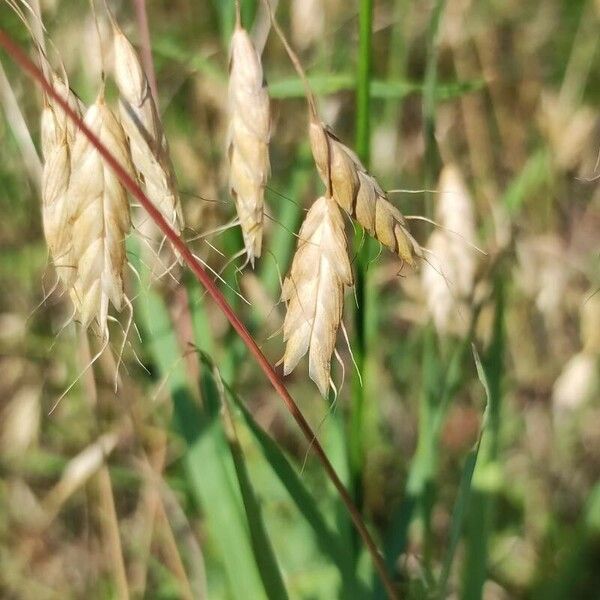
142	125
314	291
249	132
56	215
359	193
57	135
100	218
449	277
308	22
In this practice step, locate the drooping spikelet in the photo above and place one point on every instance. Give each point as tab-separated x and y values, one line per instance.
308	22
57	134
100	218
249	132
314	291
359	193
449	276
142	125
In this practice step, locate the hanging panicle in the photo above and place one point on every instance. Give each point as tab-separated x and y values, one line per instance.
249	132
359	193
314	291
100	218
57	135
142	125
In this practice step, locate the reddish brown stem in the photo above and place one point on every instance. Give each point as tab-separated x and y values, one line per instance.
20	58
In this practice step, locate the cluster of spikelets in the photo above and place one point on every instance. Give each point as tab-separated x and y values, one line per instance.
314	288
86	213
85	208
249	132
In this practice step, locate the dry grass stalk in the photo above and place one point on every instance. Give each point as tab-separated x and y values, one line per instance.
100	218
449	276
141	122
359	193
57	136
314	291
249	133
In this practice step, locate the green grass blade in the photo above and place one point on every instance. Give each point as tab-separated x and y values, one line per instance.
392	89
458	517
209	469
213	395
331	543
487	473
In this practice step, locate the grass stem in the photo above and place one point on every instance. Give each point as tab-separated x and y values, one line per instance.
363	134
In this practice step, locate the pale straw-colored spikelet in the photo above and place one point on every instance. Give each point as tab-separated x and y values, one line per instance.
359	193
449	276
578	382
100	218
308	22
249	132
141	122
57	134
314	291
449	279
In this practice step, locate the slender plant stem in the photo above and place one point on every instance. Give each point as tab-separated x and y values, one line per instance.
108	514
363	134
20	58
429	103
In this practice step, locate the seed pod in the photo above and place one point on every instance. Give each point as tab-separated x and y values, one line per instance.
100	218
249	132
142	125
359	193
314	291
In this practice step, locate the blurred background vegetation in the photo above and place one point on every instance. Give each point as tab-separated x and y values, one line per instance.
207	489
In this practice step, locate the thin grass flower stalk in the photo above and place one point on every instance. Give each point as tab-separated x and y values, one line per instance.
100	218
249	134
314	291
147	141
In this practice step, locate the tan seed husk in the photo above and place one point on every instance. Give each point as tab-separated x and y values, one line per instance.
359	193
141	122
314	291
57	134
249	133
100	218
449	276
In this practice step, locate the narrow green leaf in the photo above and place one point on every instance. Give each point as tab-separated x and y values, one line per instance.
208	465
261	544
486	476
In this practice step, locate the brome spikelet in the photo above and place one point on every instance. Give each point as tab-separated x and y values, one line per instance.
449	277
307	21
141	122
57	134
359	194
314	291
100	218
249	132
